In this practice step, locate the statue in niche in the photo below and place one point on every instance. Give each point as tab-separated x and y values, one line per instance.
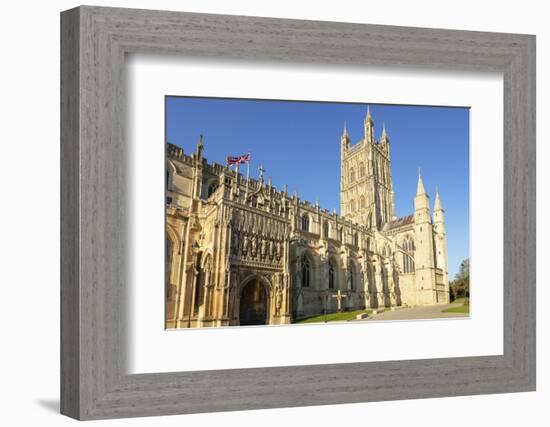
245	244
264	248
278	299
253	245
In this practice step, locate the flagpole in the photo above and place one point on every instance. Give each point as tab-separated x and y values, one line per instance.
247	169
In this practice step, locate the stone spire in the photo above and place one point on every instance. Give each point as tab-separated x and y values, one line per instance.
369	117
345	132
420	187
437	205
369	127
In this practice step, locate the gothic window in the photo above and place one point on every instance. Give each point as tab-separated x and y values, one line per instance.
362	202
305	222
361	170
305	272
408	256
211	188
167	177
371	286
340	235
351	275
351	175
352	206
325	230
331	280
356	239
367	244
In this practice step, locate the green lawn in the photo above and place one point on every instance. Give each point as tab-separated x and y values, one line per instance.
331	317
463	308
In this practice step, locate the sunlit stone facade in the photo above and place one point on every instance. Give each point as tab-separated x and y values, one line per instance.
243	252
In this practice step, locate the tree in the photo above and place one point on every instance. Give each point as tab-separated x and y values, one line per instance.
460	286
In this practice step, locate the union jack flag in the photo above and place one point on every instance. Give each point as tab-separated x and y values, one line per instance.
245	158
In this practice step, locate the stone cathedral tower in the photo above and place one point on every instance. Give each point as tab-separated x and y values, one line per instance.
366	188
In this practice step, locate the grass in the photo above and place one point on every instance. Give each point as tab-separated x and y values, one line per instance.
332	317
463	308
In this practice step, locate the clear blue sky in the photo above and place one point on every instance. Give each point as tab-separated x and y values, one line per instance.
298	143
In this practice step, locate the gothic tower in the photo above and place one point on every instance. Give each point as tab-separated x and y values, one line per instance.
440	237
424	242
366	187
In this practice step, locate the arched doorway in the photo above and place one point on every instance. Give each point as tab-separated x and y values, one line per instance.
253	305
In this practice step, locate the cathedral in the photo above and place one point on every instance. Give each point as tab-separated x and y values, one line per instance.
241	252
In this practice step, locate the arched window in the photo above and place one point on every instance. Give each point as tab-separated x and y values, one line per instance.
362	202
408	256
305	272
352	275
356	239
352	206
331	277
371	286
351	175
305	222
211	188
326	230
361	170
367	244
340	235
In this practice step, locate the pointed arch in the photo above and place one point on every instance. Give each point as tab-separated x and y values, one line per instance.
408	254
305	221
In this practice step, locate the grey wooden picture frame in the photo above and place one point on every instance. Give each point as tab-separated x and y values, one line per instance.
94	381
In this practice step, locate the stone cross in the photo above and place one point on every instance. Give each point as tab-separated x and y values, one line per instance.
339	296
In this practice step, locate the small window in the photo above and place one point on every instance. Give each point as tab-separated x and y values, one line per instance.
305	222
330	275
305	272
212	188
326	230
351	269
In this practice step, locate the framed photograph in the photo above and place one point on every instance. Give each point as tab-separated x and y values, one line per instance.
278	213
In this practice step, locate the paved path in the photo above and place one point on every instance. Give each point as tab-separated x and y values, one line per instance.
424	312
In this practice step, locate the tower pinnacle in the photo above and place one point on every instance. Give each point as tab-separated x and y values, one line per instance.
437	205
420	187
200	147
